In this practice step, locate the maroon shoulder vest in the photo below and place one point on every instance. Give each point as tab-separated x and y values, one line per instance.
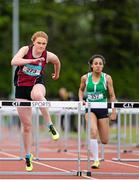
28	74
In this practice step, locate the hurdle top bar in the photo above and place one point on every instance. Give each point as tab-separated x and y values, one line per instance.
69	104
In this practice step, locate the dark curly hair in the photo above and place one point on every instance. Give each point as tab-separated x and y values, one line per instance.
96	56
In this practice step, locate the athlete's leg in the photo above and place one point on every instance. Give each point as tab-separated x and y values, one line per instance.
25	115
93	140
38	94
94	128
103	126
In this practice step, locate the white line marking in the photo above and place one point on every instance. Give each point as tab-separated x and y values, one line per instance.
14	156
10	155
125	164
39	163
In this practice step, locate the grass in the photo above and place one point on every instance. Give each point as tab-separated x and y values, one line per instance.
130	136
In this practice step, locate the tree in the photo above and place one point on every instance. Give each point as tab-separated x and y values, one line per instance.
5	44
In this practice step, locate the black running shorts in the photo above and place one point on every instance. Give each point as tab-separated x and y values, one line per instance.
23	92
100	113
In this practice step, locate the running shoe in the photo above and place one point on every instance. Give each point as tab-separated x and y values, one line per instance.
54	133
29	166
95	165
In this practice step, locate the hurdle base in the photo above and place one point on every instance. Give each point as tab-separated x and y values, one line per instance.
125	160
11	159
88	173
79	173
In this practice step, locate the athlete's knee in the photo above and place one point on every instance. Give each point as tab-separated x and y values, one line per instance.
105	141
94	133
37	96
27	127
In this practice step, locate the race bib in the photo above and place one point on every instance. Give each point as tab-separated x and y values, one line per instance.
32	70
95	96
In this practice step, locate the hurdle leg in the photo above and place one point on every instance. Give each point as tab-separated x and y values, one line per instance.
79	172
88	140
118	137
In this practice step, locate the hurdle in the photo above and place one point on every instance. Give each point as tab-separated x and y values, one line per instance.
131	111
73	105
118	106
66	108
65	105
64	112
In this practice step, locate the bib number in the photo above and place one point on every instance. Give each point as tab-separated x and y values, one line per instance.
32	70
95	96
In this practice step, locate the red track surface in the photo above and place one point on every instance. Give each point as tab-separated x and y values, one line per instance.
109	169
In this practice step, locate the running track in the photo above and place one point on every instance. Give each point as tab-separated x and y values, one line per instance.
56	169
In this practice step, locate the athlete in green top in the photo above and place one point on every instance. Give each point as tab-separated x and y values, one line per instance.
97	86
96	91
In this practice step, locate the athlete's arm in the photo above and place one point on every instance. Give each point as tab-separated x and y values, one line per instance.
112	96
18	59
111	89
82	87
52	58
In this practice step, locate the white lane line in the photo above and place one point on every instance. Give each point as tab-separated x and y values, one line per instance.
39	163
10	155
125	164
14	156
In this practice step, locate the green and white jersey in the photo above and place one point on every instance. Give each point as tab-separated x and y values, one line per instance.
96	91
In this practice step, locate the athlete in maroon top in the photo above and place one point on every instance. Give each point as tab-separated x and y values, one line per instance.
30	74
28	80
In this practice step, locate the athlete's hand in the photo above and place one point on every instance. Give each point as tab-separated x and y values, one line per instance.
54	76
83	102
37	60
113	116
